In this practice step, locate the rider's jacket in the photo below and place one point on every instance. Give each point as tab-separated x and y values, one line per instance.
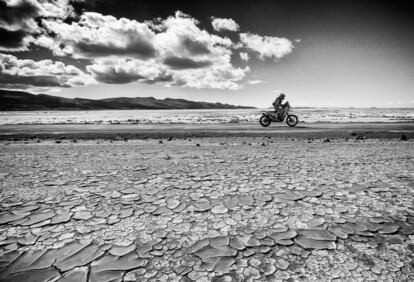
278	102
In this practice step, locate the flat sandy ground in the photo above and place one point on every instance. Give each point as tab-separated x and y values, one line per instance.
141	131
208	209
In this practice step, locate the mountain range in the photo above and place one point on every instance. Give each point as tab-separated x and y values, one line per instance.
23	101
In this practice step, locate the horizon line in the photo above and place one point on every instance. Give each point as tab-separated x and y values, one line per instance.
256	107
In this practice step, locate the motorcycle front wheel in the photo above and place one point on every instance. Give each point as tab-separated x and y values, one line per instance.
292	120
265	121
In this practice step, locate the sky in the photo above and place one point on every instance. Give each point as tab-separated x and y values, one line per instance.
320	53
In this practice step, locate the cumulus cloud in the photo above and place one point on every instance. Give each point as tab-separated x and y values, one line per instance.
23	74
181	36
122	70
96	35
244	56
174	51
266	46
18	24
224	24
19	15
60	9
224	76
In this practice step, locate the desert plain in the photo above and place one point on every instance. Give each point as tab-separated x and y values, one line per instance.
210	203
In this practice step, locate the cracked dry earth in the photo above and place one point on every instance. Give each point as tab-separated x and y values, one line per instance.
226	210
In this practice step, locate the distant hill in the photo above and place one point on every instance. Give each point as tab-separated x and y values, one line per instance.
23	101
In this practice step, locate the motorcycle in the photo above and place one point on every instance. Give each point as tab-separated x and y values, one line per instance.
270	116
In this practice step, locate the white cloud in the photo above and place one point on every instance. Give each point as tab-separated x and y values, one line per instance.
224	24
244	56
173	51
266	46
56	8
257	81
119	71
182	37
219	76
44	74
96	35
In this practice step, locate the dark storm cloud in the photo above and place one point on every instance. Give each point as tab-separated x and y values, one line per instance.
195	47
12	39
20	20
112	76
141	49
16	24
185	63
17	14
33	80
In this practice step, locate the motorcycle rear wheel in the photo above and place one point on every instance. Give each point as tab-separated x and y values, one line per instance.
265	121
292	120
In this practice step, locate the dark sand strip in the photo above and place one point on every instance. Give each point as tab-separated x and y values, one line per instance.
140	131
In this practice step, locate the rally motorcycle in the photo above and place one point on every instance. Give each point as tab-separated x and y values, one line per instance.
270	116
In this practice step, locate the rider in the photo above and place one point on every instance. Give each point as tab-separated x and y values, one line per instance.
279	107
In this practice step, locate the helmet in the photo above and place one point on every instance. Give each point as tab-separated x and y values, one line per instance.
282	95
